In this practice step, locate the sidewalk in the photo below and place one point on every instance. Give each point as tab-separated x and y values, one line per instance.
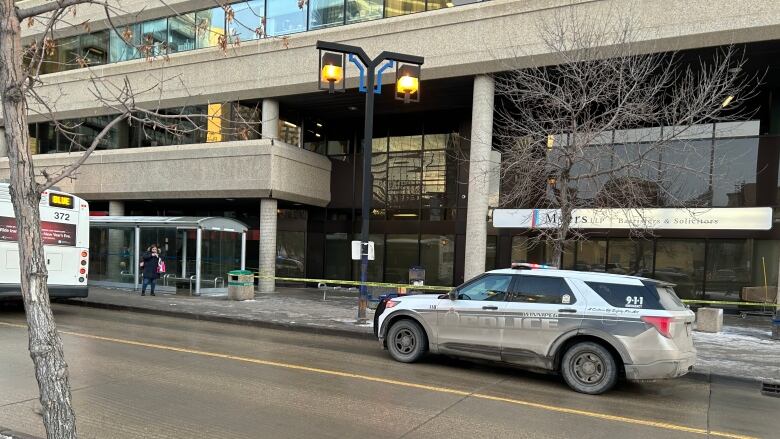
744	348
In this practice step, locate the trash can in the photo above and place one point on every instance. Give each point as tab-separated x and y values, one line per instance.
241	285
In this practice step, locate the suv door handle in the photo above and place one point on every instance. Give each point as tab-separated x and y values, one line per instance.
489	307
569	310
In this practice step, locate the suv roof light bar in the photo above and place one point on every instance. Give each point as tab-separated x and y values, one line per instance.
531	266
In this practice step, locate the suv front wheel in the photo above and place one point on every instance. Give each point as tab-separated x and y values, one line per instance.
589	368
406	341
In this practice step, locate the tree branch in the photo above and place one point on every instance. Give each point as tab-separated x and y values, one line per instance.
66	172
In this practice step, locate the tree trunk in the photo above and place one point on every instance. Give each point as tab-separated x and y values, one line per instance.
45	345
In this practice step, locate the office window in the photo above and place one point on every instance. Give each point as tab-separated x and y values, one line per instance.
155	37
285	17
181	33
247	21
364	10
325	13
441	4
94	48
63	57
403	185
210	26
395	8
119	49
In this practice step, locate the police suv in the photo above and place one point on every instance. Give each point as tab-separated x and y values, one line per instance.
590	327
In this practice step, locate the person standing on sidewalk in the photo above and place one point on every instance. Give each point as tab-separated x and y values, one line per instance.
150	263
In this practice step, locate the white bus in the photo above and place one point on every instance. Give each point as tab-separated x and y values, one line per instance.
65	234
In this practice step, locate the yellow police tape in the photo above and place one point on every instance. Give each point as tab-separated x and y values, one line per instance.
442	288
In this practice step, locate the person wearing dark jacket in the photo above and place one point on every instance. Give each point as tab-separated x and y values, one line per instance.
150	261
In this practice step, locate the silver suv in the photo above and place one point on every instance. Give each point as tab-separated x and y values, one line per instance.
590	327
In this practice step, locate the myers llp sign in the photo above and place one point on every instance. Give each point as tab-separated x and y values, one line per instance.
746	218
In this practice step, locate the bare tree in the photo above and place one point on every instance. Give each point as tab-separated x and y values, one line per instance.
20	74
605	123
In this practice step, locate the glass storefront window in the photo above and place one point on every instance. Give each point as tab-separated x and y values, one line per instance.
364	10
631	256
681	262
403	249
395	8
591	255
181	33
337	256
490	252
155	37
325	13
290	254
437	257
766	254
247	21
120	50
728	268
284	17
94	48
210	26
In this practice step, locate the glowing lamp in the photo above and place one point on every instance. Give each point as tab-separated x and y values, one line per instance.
331	71
407	83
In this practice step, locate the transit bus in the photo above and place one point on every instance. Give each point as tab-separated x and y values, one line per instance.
65	234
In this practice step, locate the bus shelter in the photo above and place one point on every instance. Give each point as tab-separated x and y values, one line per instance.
117	243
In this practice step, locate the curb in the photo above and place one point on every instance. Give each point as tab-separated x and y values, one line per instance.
309	329
10	434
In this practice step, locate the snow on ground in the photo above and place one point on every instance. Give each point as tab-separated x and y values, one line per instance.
739	351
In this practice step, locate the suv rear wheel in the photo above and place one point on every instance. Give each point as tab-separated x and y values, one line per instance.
406	341
589	368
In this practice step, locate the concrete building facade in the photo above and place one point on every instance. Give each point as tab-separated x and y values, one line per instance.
293	173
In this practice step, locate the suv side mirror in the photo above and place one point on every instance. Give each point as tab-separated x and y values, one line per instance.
453	294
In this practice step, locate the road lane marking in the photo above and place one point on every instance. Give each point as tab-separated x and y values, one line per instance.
437	389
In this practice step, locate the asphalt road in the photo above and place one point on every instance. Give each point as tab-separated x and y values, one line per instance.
142	376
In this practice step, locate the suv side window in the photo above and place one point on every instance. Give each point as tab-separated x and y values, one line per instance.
540	289
627	296
489	287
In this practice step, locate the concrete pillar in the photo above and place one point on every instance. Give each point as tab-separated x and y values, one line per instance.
116	261
267	245
479	175
270	117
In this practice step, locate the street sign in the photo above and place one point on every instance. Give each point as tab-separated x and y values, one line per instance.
356	250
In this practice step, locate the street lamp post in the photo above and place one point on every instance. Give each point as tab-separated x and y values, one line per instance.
331	72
